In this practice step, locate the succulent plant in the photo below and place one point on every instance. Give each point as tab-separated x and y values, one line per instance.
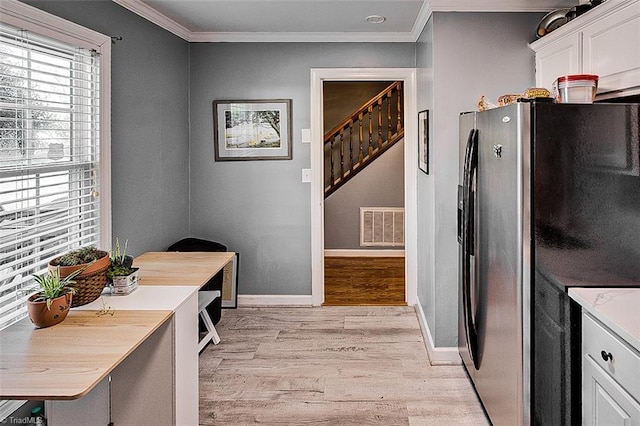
119	271
78	257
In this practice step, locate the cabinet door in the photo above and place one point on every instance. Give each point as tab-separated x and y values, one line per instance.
611	49
604	402
558	58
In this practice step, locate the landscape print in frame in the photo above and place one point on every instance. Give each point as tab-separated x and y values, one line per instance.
252	130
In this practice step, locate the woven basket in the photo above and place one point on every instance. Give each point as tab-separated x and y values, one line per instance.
89	287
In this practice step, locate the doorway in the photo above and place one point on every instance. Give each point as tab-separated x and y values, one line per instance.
408	78
364	193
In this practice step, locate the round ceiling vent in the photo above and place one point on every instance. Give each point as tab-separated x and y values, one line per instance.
375	19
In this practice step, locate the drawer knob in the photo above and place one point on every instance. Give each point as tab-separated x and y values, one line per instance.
606	356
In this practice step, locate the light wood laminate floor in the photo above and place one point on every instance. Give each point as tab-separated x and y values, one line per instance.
329	366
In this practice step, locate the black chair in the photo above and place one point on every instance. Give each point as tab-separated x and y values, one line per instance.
215	283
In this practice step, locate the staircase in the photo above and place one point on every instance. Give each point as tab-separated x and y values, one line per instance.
362	137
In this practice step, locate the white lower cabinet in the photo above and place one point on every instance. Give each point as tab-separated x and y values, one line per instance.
610	377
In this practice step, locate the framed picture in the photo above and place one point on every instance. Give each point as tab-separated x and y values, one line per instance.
423	141
252	130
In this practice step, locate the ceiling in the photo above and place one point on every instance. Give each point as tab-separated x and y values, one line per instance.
312	20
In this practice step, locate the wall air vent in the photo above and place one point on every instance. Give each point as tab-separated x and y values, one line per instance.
381	226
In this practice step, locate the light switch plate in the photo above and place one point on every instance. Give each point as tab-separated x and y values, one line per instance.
306	135
306	175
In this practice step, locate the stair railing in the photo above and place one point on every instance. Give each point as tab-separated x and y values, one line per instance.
362	137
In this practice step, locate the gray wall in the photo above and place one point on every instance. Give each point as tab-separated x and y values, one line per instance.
380	184
425	227
150	117
261	208
470	58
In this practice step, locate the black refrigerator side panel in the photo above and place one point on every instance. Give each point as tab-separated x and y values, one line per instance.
586	205
587	193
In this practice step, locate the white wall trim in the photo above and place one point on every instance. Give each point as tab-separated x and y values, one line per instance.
248	300
363	253
421	20
27	17
408	77
300	37
437	356
152	15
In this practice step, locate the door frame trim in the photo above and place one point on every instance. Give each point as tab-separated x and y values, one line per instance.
408	77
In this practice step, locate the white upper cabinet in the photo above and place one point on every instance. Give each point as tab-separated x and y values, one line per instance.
560	58
604	41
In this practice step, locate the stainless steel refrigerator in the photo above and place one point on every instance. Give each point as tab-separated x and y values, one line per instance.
545	190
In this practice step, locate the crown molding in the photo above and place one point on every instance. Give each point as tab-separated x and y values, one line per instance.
147	12
421	20
297	37
428	7
152	15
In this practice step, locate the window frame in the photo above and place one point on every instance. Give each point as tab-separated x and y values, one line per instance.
35	20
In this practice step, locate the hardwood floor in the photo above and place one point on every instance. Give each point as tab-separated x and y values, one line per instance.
350	281
329	366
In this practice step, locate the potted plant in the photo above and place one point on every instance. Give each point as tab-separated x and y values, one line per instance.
50	305
122	276
92	263
89	259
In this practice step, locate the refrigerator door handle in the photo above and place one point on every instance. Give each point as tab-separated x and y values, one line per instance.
468	232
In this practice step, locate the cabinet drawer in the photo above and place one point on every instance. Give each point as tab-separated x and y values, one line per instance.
624	364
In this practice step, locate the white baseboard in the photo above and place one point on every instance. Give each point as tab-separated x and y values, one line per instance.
363	253
437	356
247	300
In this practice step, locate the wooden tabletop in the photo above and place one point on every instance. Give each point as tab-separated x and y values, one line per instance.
67	360
180	268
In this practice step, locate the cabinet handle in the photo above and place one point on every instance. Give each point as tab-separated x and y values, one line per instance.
606	356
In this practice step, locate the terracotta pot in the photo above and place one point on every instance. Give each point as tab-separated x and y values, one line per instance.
99	264
42	317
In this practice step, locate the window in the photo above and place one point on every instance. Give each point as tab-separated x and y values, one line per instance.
54	148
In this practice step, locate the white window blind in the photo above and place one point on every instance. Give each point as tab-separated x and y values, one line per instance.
49	158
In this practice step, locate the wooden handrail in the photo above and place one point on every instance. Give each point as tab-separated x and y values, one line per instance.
345	123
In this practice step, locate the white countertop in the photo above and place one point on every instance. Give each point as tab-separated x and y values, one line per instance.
143	298
617	308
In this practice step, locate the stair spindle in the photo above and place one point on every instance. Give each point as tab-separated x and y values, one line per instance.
361	139
333	176
351	145
380	123
370	110
341	154
389	98
399	126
